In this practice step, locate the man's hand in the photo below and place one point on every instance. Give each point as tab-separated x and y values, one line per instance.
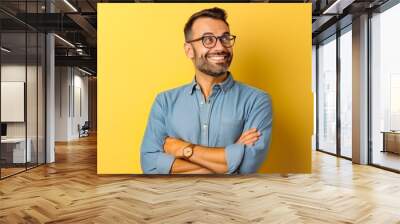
249	137
174	146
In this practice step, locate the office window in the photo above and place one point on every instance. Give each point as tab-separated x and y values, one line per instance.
346	93
327	95
385	88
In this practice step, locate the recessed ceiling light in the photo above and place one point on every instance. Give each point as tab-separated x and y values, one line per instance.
338	6
64	40
5	50
70	5
84	71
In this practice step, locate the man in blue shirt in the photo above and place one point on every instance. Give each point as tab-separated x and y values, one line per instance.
214	124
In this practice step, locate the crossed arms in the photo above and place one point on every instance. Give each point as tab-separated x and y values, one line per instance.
205	160
159	151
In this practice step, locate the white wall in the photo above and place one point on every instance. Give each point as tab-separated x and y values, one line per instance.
62	81
12	101
16	73
71	94
81	89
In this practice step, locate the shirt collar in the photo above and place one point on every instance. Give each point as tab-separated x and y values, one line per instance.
225	85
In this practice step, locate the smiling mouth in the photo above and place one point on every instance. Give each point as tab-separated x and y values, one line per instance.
220	58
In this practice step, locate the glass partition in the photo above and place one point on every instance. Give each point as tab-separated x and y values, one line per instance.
13	104
385	89
327	95
22	77
346	93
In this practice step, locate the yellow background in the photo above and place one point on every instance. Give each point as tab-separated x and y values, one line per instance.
140	53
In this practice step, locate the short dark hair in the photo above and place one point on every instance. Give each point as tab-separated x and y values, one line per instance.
214	13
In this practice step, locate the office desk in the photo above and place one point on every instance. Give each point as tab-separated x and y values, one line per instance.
391	141
15	148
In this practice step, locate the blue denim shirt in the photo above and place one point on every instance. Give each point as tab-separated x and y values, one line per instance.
231	109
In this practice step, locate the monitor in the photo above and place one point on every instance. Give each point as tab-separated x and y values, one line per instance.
3	129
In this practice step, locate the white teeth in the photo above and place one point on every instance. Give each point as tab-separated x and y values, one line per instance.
216	57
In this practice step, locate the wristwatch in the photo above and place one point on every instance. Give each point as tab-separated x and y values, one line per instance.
188	151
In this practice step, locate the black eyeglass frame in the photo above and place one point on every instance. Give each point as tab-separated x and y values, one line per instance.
231	37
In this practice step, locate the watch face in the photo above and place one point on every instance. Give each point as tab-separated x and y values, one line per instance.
187	152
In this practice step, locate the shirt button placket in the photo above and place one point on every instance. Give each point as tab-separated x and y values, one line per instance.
206	125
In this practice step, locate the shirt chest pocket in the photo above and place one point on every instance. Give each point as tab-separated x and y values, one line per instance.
230	131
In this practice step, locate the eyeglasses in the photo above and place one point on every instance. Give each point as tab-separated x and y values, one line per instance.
209	41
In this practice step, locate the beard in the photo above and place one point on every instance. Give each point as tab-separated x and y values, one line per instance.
213	69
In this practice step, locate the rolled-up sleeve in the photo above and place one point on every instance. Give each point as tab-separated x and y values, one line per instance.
260	117
153	159
233	156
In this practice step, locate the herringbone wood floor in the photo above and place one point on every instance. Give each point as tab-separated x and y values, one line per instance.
69	191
